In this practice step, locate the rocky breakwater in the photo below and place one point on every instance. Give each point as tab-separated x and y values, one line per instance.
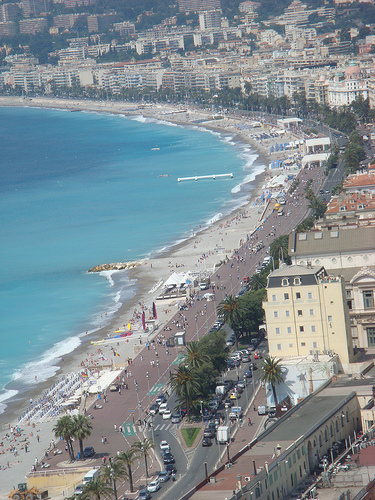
116	266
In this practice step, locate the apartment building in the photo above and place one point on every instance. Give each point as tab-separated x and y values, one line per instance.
306	312
209	19
198	5
125	28
348	86
100	22
9	12
8	28
32	26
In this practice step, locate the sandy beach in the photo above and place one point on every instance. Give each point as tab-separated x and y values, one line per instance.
199	254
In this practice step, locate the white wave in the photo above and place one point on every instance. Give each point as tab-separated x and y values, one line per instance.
108	276
46	366
215	218
139	118
7	395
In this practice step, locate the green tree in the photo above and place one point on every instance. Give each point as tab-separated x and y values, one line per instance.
97	489
81	430
254	313
114	471
144	446
279	250
193	355
65	428
128	458
232	309
271	373
185	384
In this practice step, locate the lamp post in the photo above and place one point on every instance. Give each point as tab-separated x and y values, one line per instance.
196	324
144	458
169	366
148	387
157	364
139	403
252	377
112	474
205	310
202	409
231	288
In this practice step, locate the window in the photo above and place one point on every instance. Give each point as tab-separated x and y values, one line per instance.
279	347
290	346
277	330
303	344
273	298
285	282
315	345
289	329
309	295
286	296
368	299
299	312
298	295
301	328
348	294
370	336
275	314
287	314
297	281
311	312
313	329
329	319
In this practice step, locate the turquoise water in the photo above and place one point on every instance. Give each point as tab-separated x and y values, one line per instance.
81	189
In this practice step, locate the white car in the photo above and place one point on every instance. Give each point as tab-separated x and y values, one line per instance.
154	486
163	407
167	415
164	446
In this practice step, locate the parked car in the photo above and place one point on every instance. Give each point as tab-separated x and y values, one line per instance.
168	458
143	495
257	355
176	418
245	358
154	408
154	486
163	476
79	489
171	469
164	446
88	452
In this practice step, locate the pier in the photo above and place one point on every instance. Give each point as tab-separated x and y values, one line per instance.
197	177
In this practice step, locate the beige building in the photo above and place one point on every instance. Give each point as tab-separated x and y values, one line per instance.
306	313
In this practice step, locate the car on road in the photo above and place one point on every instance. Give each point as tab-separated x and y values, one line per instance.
163	407
88	452
168	458
143	495
206	441
154	408
176	418
248	374
257	355
167	414
164	446
154	486
227	403
245	358
171	469
79	489
209	433
230	364
161	399
234	396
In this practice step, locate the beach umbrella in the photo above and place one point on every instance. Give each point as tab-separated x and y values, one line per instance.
143	321
154	311
271	149
129	326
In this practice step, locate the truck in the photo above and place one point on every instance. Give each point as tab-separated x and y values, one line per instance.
24	493
91	475
220	389
223	434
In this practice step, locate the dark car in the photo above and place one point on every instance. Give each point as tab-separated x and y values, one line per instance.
248	374
154	408
206	441
143	495
209	433
230	364
168	458
170	468
88	452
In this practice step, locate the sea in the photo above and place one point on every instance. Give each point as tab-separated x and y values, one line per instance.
78	189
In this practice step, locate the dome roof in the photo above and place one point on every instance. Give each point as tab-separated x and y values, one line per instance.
352	70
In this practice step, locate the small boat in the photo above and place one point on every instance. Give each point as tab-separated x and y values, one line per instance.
155	149
163	175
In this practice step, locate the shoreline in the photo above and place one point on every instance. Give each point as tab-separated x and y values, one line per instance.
145	280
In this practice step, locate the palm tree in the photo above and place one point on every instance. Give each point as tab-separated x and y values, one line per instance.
128	458
193	357
81	430
97	489
271	373
115	470
65	428
144	446
232	309
185	384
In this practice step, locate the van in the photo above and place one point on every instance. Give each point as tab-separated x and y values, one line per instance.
280	213
262	410
91	475
235	412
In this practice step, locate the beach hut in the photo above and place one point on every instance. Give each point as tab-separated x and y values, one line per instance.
272	149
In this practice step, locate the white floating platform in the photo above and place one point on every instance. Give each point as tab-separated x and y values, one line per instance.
197	177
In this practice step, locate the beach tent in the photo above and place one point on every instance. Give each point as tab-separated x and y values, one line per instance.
272	149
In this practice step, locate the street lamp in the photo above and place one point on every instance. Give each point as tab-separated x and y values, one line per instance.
112	474
202	409
205	310
148	386
231	288
139	403
144	458
252	377
196	324
157	364
169	366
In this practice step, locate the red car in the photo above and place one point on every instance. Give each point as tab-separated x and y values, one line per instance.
257	355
